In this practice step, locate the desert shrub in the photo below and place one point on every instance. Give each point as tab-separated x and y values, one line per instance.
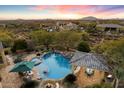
18	59
30	45
19	44
85	36
69	81
83	46
7	51
42	38
6	37
66	40
30	84
70	78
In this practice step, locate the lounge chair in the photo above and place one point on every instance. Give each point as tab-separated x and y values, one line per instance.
57	85
77	69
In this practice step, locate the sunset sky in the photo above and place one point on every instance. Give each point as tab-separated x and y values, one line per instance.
60	11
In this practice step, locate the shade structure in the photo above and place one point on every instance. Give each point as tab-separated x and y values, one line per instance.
23	66
90	60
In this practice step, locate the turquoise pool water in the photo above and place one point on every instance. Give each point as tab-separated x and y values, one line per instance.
54	66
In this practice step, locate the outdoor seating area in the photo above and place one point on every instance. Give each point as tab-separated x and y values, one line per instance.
90	68
27	70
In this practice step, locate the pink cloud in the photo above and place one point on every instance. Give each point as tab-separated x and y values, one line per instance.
76	9
39	7
61	8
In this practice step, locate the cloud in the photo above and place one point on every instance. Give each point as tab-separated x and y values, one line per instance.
77	9
62	11
62	8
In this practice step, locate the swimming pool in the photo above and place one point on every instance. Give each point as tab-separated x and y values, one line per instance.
54	66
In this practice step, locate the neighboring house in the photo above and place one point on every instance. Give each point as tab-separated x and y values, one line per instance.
71	26
49	27
109	27
61	23
3	25
67	26
81	28
90	68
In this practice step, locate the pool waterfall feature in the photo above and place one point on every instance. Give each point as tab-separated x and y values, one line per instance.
53	66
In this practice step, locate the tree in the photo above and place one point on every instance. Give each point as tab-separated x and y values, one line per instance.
83	46
42	38
85	36
68	39
114	50
6	38
119	73
19	44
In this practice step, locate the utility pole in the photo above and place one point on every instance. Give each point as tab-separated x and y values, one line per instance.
3	54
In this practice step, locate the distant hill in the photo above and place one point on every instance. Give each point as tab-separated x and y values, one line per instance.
89	18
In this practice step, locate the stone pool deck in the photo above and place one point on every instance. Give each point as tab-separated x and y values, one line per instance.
30	56
10	80
13	80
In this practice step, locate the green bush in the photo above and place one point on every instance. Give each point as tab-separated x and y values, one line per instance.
18	59
6	37
83	46
30	84
69	81
7	51
70	78
19	44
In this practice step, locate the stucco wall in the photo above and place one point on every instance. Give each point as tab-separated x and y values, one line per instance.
84	80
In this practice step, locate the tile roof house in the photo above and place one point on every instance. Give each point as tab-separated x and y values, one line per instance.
90	68
110	25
